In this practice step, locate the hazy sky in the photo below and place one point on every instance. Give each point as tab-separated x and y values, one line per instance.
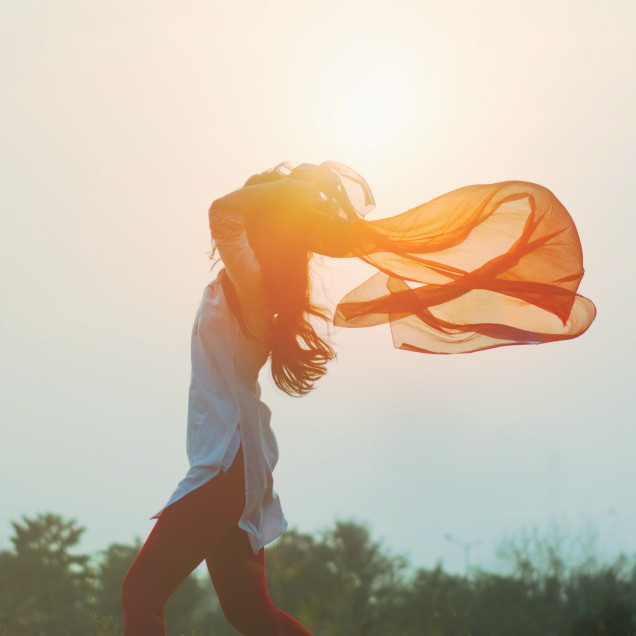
122	120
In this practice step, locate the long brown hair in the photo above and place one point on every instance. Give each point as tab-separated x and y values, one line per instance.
299	355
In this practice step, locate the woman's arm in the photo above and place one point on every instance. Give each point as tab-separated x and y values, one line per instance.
228	234
263	206
283	196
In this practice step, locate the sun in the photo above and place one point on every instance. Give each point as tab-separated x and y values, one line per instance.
363	94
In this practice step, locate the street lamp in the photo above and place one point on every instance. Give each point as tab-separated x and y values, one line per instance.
466	546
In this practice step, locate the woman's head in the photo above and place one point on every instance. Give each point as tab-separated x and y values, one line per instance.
324	211
299	355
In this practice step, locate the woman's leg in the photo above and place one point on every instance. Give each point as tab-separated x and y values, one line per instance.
184	533
238	576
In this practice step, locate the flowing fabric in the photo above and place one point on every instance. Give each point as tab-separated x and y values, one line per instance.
479	267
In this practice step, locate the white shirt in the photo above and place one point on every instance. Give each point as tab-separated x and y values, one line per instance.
224	408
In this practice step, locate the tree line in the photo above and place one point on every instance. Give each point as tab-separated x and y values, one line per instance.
338	583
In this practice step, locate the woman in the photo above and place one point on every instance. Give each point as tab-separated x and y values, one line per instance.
480	267
225	510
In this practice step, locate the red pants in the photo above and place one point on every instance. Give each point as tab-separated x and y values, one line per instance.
204	525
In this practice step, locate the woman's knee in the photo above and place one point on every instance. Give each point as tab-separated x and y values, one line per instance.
129	590
138	590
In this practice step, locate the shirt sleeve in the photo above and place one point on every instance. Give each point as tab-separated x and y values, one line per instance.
228	234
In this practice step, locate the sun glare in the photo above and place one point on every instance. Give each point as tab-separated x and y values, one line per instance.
369	100
373	111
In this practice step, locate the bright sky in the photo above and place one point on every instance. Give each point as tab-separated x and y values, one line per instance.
122	120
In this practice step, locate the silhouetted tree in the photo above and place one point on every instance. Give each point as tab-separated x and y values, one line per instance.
339	583
601	602
45	588
110	568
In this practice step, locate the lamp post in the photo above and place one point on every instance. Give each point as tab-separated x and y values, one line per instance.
466	545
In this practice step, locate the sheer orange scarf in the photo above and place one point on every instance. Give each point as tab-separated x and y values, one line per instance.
480	267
